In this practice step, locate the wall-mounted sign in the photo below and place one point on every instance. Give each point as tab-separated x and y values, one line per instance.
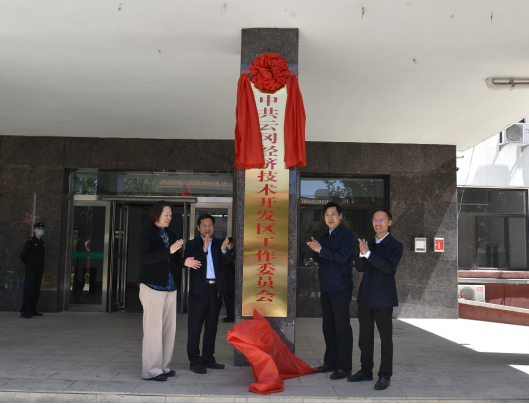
266	193
420	244
439	244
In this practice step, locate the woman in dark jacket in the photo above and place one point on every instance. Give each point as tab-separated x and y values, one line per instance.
158	248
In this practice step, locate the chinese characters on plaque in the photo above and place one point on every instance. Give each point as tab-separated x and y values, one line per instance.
265	261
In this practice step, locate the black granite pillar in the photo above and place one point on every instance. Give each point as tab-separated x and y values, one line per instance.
283	41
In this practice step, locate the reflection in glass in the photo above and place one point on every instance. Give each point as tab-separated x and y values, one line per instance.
358	220
466	242
87	255
473	200
517	243
508	202
490	242
344	191
183	183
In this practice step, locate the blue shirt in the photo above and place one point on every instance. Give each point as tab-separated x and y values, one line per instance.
336	258
210	271
170	282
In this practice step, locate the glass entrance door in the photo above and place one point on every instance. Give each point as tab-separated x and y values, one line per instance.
119	252
220	210
102	251
128	219
88	247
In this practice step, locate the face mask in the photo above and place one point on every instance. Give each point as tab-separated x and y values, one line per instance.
40	233
229	247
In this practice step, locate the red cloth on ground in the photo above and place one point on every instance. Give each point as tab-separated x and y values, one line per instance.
248	139
267	354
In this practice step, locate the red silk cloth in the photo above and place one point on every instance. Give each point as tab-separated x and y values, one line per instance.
248	139
269	357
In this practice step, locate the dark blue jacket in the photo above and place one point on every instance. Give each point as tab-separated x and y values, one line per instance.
33	254
197	277
336	259
378	288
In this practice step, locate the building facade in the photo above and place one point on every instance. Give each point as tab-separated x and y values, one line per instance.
93	195
493	180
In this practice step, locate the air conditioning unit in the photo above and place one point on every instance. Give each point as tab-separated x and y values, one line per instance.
471	292
515	135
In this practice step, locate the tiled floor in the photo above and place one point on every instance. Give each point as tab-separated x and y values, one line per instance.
96	357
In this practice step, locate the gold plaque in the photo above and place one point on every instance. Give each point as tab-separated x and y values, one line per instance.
265	261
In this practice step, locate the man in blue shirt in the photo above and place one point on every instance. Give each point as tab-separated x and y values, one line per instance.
335	254
206	288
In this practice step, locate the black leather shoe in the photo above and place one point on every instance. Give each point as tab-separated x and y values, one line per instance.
171	373
340	374
213	365
198	369
159	378
382	383
227	320
35	313
25	315
359	376
325	369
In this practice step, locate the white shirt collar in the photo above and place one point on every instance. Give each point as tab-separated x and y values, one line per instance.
377	240
330	231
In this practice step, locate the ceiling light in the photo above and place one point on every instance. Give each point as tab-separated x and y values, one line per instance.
507	84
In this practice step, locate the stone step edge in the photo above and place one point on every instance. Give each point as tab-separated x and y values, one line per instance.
90	397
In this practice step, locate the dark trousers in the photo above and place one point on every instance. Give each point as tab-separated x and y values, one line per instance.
229	296
31	292
337	329
203	311
368	317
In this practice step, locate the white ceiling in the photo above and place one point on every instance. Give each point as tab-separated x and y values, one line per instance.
404	72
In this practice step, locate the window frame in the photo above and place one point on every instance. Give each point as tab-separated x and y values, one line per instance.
338	177
506	238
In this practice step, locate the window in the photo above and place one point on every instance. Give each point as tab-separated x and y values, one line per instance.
359	198
184	183
492	229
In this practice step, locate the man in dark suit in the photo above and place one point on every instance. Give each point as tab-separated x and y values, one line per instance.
335	254
377	296
206	287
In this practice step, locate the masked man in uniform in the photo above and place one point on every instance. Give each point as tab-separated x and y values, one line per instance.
32	256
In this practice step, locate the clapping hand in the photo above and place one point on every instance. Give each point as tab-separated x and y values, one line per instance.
192	263
207	239
176	246
363	246
225	244
314	245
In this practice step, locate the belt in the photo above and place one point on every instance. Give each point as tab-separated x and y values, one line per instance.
211	281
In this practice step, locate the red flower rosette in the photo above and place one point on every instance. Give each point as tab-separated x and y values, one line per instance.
270	72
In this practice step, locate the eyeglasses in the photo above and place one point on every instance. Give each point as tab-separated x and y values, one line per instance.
209	226
378	221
